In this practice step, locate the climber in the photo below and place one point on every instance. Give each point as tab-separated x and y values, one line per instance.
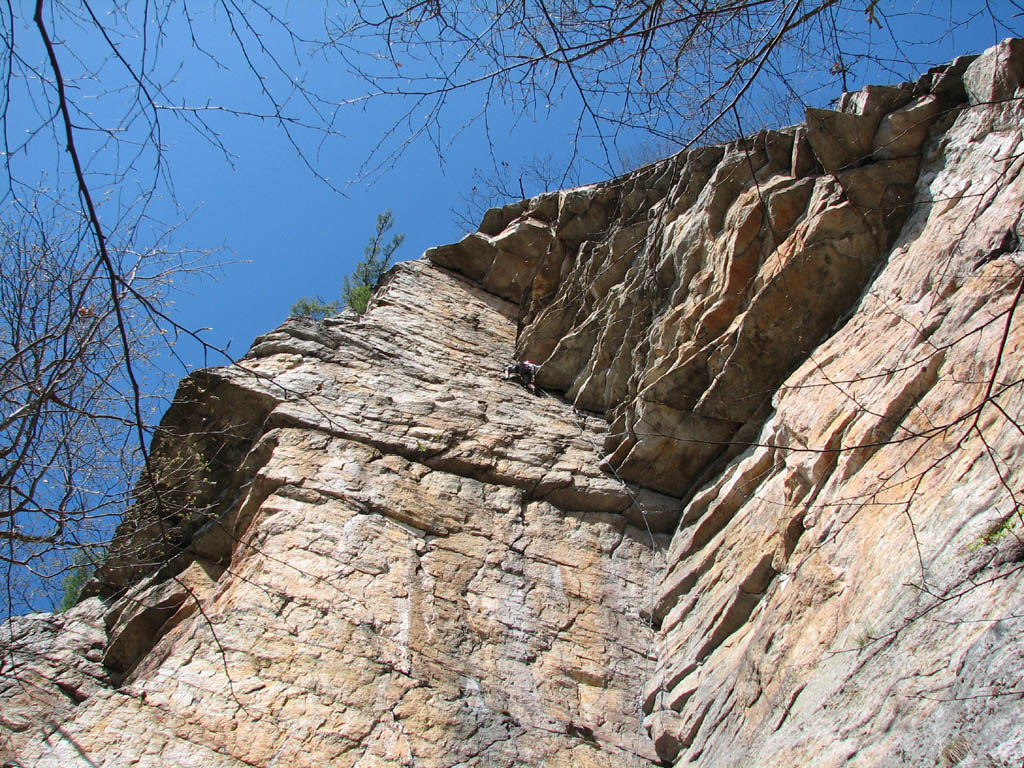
525	372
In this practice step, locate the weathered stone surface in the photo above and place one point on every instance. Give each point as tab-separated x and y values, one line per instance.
426	566
51	664
804	161
997	74
874	101
946	81
794	537
522	248
473	255
154	608
902	131
840	139
496	219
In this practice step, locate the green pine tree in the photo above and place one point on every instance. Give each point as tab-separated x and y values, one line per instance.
83	563
315	307
357	288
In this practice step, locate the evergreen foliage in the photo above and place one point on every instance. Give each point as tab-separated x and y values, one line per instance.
315	308
83	562
357	288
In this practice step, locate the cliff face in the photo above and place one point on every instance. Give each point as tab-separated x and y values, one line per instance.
763	510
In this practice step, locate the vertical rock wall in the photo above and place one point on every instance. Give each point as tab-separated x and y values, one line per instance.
774	521
414	562
812	336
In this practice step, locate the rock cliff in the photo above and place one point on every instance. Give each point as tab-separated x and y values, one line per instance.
761	511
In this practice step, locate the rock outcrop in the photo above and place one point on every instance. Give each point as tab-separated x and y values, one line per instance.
763	511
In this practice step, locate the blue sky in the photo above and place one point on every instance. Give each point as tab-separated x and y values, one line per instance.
279	230
283	233
290	235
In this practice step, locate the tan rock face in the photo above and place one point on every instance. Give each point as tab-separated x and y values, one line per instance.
422	564
51	663
794	537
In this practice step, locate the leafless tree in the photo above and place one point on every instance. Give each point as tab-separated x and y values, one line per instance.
502	183
674	69
70	412
90	99
672	72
